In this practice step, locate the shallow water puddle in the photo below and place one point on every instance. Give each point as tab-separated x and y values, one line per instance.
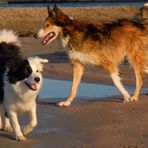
60	89
48	130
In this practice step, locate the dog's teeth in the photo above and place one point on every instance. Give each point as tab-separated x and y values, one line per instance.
48	37
51	34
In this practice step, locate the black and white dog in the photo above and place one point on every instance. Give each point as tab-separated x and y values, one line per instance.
20	81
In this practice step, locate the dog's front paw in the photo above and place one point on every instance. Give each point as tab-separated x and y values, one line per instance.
64	104
127	98
20	138
134	98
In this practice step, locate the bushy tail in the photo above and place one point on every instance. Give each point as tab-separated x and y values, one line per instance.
144	11
9	46
9	37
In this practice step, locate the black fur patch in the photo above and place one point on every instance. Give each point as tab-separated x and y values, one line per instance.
20	71
63	22
19	68
92	31
66	32
6	115
105	31
9	54
108	27
138	25
1	89
9	51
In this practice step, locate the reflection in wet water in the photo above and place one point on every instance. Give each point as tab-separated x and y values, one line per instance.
48	130
59	89
48	116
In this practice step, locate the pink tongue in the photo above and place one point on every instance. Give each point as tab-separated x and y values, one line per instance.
34	86
47	38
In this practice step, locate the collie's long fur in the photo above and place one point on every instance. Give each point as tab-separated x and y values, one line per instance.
20	81
103	45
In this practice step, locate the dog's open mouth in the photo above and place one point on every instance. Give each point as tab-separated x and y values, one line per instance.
48	37
31	86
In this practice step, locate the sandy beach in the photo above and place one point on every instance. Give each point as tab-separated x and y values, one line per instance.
100	123
90	123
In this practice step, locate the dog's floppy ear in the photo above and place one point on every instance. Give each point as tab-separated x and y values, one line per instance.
49	11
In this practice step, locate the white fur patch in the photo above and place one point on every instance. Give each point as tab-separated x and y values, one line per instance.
82	57
37	62
9	36
70	17
118	84
146	5
146	69
65	41
41	33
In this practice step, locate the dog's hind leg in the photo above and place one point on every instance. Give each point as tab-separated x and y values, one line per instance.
5	124
116	79
139	82
113	70
77	74
136	59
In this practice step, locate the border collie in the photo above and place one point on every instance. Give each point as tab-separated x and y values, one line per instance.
20	82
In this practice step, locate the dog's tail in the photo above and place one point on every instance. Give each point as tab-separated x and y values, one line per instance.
9	37
9	47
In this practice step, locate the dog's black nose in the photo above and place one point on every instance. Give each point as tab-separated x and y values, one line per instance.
36	36
37	79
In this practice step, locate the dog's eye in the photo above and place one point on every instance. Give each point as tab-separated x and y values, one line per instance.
37	71
47	25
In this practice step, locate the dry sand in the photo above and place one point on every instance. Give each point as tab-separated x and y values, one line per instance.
99	123
28	20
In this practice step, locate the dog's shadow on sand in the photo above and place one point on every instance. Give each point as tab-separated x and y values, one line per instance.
82	101
6	135
100	100
110	100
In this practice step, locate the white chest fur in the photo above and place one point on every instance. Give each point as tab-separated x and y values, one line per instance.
80	56
18	96
65	41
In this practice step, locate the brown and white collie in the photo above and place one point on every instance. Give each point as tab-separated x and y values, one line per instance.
103	45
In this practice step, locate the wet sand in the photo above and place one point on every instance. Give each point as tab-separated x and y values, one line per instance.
91	123
100	123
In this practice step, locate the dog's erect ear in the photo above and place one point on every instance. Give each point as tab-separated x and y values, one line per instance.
49	11
56	11
43	60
